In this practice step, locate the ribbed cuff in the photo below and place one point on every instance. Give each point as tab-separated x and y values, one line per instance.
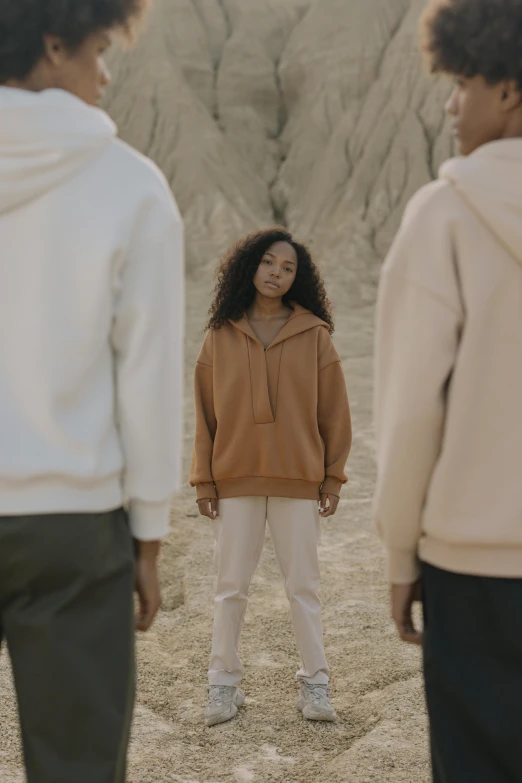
403	567
332	486
206	490
149	521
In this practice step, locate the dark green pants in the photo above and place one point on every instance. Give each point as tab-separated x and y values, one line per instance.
66	612
473	672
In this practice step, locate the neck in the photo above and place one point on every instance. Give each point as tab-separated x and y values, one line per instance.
15	84
265	307
35	82
513	129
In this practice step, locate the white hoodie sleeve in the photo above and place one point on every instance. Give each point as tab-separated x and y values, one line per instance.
147	338
418	325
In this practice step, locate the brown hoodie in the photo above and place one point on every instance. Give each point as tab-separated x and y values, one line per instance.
272	422
449	373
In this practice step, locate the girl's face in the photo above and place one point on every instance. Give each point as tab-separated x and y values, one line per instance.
276	273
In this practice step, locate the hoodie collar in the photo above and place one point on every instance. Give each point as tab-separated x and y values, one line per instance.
301	320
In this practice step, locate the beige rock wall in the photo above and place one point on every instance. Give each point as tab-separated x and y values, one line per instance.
313	113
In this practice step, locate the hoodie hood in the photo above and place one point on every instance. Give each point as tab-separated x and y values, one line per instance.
45	139
490	181
301	320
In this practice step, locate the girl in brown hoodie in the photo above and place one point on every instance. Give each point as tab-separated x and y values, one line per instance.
273	434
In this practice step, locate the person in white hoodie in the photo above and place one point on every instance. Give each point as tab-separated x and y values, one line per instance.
448	400
91	334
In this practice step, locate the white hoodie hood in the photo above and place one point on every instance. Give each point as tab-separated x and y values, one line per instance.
45	139
91	317
490	181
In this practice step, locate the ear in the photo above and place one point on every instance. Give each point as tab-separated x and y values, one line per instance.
55	51
511	96
452	104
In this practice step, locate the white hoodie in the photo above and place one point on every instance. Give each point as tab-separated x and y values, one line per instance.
91	317
449	373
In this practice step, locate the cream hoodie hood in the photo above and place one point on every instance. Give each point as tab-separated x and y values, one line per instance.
91	317
449	373
45	139
490	182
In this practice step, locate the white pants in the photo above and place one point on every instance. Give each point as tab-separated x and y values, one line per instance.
240	534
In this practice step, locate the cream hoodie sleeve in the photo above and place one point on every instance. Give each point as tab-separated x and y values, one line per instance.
147	339
419	318
333	415
206	423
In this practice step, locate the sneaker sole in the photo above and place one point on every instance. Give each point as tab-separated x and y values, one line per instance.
215	720
311	714
221	717
327	717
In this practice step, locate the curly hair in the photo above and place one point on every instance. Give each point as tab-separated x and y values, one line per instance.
24	23
235	291
471	38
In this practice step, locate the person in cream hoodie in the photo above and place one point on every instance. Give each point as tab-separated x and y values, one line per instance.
91	331
448	395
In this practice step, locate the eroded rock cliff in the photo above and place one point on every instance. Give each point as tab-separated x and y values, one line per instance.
312	113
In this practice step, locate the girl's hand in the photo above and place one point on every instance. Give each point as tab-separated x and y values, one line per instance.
208	507
328	505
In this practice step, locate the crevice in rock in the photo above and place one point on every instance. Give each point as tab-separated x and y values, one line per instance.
283	110
226	17
219	60
278	208
369	196
393	34
278	211
156	113
430	143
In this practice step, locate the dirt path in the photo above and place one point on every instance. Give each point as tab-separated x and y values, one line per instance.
376	682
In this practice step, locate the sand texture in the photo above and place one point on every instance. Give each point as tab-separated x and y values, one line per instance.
318	114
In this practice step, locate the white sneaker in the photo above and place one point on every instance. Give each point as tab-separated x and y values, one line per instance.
223	701
314	702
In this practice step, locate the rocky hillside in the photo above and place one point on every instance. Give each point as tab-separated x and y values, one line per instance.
312	113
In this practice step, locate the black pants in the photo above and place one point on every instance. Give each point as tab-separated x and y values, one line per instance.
473	673
66	611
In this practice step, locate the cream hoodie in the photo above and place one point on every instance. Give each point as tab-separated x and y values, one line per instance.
91	317
449	373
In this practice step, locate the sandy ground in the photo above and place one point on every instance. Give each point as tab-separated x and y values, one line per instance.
381	733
